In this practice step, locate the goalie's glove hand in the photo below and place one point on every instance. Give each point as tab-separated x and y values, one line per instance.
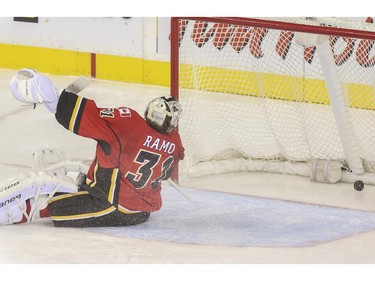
30	87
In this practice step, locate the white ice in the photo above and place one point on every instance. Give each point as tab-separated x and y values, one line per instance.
24	130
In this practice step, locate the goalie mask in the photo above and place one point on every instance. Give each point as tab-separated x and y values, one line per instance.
163	114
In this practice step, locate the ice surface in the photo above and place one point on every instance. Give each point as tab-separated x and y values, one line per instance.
224	219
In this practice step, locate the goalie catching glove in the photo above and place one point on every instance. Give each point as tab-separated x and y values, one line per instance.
27	86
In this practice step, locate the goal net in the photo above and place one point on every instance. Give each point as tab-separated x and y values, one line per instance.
289	95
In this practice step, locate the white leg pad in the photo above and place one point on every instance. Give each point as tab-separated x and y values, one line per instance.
38	187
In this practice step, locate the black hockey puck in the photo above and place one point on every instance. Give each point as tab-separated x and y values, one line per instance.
359	185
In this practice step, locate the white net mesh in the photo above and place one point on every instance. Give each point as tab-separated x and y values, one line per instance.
254	93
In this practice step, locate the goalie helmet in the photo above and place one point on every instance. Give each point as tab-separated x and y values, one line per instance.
163	114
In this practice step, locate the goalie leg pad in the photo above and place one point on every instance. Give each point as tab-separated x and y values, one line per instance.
54	161
43	158
33	189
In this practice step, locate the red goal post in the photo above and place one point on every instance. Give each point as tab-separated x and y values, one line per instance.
296	93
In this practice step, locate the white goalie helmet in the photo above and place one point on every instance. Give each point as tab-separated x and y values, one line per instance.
163	114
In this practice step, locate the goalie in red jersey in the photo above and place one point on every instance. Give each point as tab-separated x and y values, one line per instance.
122	185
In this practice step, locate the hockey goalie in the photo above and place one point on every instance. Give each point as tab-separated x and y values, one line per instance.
122	184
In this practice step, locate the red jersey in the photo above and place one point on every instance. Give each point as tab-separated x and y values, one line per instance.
131	158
